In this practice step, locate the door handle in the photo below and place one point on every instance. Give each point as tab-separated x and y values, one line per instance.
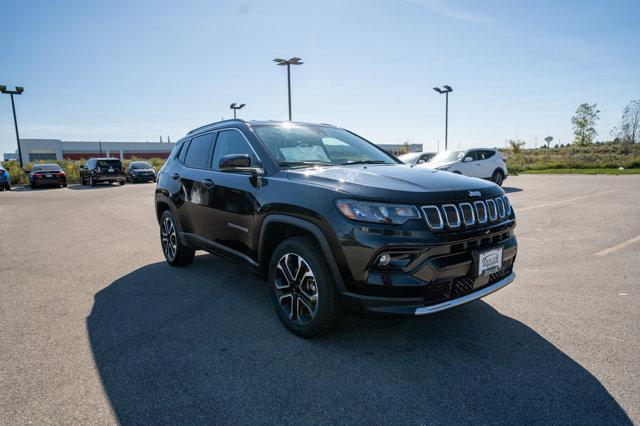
207	183
175	176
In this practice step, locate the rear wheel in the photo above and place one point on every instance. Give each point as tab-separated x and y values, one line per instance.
175	253
497	177
303	291
122	182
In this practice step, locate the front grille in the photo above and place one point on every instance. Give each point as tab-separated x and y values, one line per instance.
455	216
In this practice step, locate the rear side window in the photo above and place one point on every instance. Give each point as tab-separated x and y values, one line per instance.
198	152
231	142
183	151
486	154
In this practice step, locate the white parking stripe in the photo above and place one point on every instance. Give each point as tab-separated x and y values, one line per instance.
618	246
567	201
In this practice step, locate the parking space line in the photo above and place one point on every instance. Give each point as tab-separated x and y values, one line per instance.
618	246
567	201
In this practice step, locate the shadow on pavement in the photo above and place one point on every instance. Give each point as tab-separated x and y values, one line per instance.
202	344
510	189
81	187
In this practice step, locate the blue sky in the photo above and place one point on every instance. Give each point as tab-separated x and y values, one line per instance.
135	70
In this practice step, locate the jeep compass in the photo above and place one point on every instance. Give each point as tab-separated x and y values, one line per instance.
332	222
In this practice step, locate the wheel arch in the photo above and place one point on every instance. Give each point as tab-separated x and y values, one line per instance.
279	227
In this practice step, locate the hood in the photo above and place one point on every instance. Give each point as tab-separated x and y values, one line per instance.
433	165
397	183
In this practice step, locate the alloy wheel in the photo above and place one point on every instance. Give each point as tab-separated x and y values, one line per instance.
296	289
169	239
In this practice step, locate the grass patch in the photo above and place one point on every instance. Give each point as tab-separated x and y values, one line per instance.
581	172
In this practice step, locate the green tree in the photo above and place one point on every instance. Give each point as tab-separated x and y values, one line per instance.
516	144
404	148
629	128
584	124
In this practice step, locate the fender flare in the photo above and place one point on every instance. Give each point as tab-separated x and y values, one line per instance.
311	228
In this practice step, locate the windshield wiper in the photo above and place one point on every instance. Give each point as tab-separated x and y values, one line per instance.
302	163
348	163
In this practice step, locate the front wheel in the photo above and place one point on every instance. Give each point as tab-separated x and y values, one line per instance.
91	181
303	291
175	252
497	177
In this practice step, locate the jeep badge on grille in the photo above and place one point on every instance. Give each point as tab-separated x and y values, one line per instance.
474	194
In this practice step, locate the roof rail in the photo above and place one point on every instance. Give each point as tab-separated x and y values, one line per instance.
239	120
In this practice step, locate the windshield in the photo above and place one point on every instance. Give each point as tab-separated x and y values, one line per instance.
140	165
294	145
47	168
447	156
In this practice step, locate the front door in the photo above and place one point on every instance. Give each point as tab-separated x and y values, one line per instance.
229	199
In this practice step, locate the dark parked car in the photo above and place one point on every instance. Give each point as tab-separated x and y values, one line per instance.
98	170
5	179
140	171
47	175
331	221
413	158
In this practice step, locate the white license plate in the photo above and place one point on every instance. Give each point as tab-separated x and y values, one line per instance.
48	175
489	261
110	169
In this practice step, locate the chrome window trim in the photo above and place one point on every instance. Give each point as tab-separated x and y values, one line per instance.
473	214
446	216
501	207
426	217
495	209
486	214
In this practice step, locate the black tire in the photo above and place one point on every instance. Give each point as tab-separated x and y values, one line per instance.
318	291
32	185
175	253
91	181
64	185
497	177
122	182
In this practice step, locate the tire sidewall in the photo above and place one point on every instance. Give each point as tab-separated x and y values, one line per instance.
324	283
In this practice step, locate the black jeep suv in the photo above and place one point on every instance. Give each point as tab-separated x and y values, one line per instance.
331	221
98	170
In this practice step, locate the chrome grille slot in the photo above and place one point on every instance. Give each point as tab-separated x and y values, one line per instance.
507	205
481	211
451	215
433	216
491	210
501	209
466	211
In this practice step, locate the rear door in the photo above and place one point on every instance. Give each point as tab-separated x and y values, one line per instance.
109	168
190	172
230	202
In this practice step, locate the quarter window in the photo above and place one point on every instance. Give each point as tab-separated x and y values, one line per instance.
198	152
231	142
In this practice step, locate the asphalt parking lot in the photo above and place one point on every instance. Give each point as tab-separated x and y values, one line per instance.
96	328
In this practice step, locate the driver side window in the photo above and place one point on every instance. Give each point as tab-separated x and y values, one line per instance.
231	142
473	155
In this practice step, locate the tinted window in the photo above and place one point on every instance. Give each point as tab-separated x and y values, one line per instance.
472	154
109	163
198	151
140	165
47	168
231	142
483	155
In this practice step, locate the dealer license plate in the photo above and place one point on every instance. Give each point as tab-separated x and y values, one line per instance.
490	261
48	175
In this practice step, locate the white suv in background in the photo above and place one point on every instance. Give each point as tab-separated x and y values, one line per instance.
484	163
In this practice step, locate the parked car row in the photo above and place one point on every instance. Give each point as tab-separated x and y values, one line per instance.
483	163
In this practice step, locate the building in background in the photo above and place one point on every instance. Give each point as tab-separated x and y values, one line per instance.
56	149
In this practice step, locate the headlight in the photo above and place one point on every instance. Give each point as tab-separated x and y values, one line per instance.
374	212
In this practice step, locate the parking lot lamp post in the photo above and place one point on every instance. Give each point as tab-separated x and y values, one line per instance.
18	91
288	63
445	90
236	107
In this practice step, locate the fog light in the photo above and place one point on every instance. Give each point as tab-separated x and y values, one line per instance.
384	259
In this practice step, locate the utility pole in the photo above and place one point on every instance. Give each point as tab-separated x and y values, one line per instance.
236	107
288	63
17	91
445	90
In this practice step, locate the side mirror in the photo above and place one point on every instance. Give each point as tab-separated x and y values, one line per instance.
235	163
467	159
81	167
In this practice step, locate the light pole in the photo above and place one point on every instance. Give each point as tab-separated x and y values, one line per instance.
446	90
18	91
236	107
288	63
